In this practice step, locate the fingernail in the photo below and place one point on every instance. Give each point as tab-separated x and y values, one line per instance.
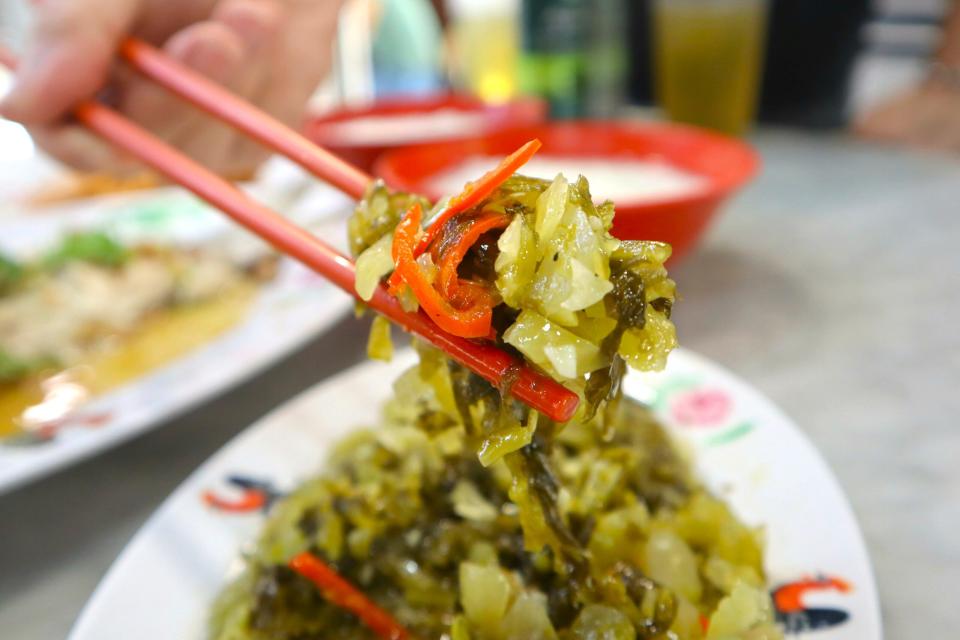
254	22
212	49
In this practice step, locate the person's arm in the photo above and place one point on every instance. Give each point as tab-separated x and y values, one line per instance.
272	52
929	114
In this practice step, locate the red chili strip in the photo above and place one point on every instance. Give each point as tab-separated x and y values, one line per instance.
475	192
472	321
451	258
344	595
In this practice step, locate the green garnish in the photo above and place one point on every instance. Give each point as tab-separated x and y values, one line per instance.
10	273
96	247
11	368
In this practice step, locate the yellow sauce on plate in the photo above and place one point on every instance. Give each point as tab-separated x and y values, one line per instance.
162	337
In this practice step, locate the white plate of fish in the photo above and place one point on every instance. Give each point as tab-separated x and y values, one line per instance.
117	313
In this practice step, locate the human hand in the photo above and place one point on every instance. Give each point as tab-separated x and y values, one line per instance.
927	116
271	52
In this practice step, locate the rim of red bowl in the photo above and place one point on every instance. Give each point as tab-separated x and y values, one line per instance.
672	143
524	110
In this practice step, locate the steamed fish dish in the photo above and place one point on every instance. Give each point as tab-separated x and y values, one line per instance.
465	515
106	313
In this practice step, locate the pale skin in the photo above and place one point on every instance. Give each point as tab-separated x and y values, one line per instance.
929	114
271	52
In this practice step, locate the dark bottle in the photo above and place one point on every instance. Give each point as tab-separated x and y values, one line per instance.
811	51
574	55
553	58
810	54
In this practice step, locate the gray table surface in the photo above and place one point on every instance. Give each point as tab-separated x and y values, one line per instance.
832	284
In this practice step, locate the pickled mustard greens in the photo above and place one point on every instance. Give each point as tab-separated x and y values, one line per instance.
409	514
468	516
567	295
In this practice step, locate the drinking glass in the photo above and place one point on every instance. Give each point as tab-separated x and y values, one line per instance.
708	55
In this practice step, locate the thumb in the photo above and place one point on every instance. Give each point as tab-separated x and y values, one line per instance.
68	57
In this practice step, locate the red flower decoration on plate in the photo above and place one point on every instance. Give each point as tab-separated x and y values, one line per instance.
701	407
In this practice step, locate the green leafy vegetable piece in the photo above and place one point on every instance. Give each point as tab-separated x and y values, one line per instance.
379	344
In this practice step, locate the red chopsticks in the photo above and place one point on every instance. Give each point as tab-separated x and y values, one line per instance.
540	392
226	106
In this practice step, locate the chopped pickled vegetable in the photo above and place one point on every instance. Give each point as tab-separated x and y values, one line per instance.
673	564
555	349
373	264
377	215
539	255
468	516
379	344
485	594
470	504
406	512
747	610
600	622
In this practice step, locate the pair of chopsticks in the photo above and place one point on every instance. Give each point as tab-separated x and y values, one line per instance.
493	364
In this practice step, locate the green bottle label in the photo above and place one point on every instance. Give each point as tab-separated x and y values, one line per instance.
553	63
554	26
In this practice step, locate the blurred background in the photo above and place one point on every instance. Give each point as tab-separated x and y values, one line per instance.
720	64
802	157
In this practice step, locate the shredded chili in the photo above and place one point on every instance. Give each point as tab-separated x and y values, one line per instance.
470	319
449	260
475	192
458	306
344	595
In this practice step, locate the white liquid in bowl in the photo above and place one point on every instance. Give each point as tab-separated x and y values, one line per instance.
623	181
404	128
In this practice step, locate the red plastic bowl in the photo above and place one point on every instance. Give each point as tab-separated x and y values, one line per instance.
726	163
326	129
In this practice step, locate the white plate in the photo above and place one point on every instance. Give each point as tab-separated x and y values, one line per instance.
745	448
287	312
